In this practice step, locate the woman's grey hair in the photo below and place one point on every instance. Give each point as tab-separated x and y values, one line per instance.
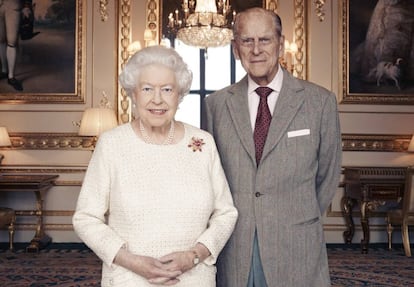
167	57
276	20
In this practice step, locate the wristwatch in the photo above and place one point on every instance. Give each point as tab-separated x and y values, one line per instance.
196	258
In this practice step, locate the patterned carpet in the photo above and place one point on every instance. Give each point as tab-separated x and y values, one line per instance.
73	265
58	265
380	267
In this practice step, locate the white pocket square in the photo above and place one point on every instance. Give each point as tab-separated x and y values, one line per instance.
298	133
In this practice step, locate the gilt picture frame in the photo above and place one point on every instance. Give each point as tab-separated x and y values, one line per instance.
50	62
377	66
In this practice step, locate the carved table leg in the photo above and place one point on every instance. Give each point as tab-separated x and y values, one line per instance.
40	239
347	204
365	227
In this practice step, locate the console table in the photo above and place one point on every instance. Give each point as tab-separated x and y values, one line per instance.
38	184
369	187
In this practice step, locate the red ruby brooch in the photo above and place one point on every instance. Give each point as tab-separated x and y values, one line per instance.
196	144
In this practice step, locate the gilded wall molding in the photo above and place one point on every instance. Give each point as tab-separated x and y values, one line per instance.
375	142
103	10
45	212
320	10
300	17
153	18
50	141
124	36
299	30
57	141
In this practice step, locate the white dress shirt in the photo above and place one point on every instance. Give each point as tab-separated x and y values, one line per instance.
253	97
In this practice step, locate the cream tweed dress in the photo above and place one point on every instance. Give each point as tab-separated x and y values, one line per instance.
154	199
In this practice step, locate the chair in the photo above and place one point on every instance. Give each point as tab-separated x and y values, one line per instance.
8	218
404	216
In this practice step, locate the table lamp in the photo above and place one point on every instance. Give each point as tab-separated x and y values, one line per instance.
97	120
4	140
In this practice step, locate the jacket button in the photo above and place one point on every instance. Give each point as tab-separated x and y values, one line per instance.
258	194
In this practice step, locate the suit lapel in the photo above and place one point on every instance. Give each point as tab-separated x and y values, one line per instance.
289	101
239	112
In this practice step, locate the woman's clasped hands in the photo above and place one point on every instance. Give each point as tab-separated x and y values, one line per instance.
162	271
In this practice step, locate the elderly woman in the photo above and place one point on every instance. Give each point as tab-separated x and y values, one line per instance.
155	205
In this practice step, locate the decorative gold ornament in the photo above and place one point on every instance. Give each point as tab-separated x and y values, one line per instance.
103	10
320	11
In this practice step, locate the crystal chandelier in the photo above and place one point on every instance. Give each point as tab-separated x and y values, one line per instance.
203	24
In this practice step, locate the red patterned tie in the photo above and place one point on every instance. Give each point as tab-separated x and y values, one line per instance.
262	121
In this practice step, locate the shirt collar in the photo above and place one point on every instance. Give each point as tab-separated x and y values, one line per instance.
275	84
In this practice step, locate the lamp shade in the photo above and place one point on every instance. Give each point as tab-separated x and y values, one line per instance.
411	145
4	137
97	120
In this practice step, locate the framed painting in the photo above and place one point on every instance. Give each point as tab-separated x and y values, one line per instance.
49	54
377	52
